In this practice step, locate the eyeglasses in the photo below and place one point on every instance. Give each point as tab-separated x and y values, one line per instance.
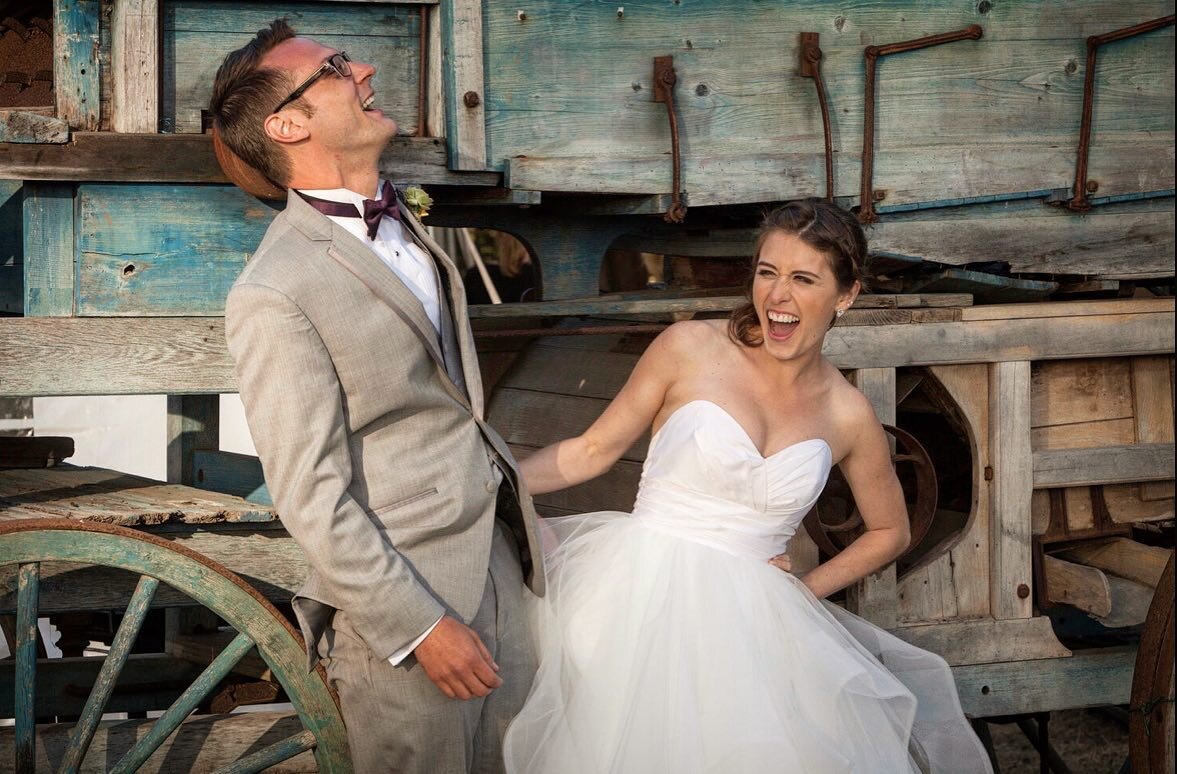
336	63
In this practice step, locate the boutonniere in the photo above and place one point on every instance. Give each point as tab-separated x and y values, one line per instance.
418	201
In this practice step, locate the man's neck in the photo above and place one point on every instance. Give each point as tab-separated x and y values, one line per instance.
327	173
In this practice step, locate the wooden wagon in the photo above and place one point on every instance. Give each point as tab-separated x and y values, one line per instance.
1000	153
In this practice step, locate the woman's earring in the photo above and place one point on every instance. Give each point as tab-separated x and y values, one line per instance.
839	313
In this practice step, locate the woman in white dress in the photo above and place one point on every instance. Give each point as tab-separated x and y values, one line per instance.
669	640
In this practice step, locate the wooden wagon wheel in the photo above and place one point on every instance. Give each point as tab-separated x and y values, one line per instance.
834	522
258	623
1150	721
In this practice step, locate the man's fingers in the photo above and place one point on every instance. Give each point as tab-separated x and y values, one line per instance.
485	653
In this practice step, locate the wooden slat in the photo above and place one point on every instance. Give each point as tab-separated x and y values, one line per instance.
1124	557
874	596
987	641
860	314
134	62
231	473
203	648
189	158
1149	501
19	126
537	419
1072	391
203	743
1152	403
193	423
1010	457
1066	309
1087	679
1107	465
614	490
461	31
1083	435
48	250
141	688
1082	587
75	62
188	355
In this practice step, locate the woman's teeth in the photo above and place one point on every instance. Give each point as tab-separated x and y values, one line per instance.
781	317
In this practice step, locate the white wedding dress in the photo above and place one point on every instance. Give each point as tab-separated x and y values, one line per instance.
667	643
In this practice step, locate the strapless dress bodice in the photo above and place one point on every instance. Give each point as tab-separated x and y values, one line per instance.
705	480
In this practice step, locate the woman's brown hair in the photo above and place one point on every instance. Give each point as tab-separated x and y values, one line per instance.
822	225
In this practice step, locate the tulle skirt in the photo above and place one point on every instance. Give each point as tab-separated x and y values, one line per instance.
659	654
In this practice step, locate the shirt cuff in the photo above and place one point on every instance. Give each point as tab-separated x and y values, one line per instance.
404	652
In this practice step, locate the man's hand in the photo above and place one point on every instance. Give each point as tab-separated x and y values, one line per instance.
781	562
457	662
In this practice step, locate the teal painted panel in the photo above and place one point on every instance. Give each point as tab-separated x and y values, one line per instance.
12	285
573	80
197	34
76	71
49	244
163	250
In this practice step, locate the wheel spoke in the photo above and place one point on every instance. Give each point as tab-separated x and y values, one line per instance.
26	666
183	706
275	753
120	649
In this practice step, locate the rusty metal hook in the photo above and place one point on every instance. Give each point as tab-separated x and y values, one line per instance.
664	80
872	54
1078	201
811	68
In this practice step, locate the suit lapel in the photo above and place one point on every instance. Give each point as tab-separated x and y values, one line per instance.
455	295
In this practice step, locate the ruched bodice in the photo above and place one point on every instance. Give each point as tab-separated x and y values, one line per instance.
705	480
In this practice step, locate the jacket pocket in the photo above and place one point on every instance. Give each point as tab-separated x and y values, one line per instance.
430	492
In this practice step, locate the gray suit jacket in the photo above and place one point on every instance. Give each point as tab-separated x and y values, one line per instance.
379	461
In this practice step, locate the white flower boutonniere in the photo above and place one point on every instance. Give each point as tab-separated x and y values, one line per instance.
418	201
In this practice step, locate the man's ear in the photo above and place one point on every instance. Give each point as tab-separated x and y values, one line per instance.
285	127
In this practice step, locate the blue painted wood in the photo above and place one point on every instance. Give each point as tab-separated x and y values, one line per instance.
985	288
163	249
269	756
183	706
112	667
75	62
48	249
197	34
26	666
12	284
231	473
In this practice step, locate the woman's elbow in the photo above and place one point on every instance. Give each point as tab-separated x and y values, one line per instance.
901	539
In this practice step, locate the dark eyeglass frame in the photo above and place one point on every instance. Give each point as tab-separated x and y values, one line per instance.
336	63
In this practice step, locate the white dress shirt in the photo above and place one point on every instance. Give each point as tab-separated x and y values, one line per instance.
414	268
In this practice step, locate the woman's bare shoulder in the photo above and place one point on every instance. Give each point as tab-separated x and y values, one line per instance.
689	336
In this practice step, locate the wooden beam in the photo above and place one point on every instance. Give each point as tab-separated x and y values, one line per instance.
75	62
1089	678
1077	585
465	93
1107	465
193	423
1152	404
134	64
49	244
986	641
189	158
1124	557
1010	575
148	681
22	126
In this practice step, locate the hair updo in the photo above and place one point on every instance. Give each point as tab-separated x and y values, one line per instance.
822	225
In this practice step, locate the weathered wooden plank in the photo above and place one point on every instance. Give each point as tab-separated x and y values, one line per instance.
465	92
193	423
1124	557
1152	402
197	34
536	419
1071	391
140	686
598	374
134	61
1150	501
1009	439
203	648
1082	587
956	583
203	743
75	62
49	273
874	597
1067	309
1083	435
987	641
1107	465
21	126
1089	678
231	473
189	158
12	296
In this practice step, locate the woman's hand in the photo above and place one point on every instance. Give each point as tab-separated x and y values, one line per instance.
782	562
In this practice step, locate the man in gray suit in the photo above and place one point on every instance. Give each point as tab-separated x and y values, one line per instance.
356	365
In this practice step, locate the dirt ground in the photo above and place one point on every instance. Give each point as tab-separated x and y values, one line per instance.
1088	741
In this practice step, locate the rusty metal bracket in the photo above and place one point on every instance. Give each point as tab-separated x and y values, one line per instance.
664	80
1078	201
811	68
872	54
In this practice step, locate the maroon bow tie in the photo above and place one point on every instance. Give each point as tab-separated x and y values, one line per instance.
374	209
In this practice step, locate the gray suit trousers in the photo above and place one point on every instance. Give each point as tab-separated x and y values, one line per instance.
397	719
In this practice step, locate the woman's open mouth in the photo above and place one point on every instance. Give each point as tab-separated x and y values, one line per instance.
781	325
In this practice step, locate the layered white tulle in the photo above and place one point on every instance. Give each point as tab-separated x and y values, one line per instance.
668	644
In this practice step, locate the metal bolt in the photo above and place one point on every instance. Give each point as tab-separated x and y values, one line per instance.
988	472
1092	186
521	15
1023	591
621	12
471	99
879	195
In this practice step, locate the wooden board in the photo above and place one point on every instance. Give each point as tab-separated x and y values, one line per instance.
1080	391
48	250
465	92
1010	457
1124	557
1082	587
75	62
148	681
1152	403
197	34
134	60
987	641
535	419
11	246
1106	465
